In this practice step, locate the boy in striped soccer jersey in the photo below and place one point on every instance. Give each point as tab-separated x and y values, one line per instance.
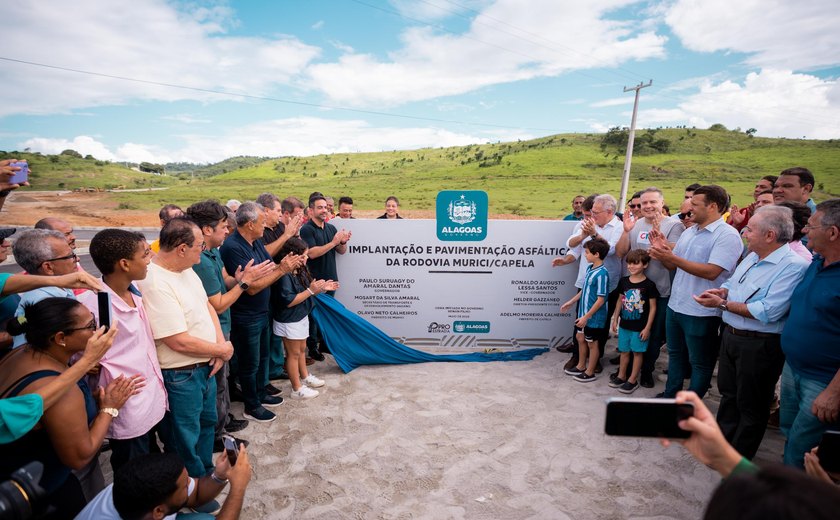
591	323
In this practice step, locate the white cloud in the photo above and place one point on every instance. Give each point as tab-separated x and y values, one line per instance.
317	25
775	33
187	119
776	102
147	40
614	102
295	136
494	50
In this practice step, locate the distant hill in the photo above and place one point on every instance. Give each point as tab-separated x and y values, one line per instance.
208	170
528	178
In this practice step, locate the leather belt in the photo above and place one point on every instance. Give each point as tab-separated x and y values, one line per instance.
189	367
751	333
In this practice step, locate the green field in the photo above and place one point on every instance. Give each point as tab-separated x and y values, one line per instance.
531	178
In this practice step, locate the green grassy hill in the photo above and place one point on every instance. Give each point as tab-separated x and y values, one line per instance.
531	178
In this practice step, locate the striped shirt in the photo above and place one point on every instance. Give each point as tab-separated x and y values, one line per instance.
595	284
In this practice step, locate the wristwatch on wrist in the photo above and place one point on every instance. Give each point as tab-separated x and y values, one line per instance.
244	286
113	412
723	305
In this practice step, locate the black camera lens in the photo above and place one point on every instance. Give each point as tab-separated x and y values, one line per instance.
21	496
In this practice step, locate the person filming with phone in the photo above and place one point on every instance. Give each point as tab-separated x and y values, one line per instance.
157	486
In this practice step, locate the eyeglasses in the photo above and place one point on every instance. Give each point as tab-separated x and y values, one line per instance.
809	227
90	326
684	216
635	206
744	276
68	257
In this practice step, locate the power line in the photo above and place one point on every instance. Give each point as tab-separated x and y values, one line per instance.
273	99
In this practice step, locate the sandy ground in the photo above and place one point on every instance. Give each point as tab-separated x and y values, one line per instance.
501	440
506	440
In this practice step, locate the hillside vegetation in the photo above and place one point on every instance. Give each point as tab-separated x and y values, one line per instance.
530	178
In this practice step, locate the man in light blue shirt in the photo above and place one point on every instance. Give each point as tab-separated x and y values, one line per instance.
704	257
43	252
755	303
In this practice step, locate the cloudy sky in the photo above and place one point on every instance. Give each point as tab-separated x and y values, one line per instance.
200	81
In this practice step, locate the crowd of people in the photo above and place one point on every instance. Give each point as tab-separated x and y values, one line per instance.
753	292
218	307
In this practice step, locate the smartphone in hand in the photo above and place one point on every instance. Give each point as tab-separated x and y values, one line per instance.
104	301
643	417
829	451
21	175
231	449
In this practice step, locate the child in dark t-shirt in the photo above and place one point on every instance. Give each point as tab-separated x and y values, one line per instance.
633	319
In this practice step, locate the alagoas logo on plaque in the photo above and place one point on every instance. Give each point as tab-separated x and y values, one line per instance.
461	215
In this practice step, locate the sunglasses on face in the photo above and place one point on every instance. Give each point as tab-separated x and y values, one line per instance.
684	216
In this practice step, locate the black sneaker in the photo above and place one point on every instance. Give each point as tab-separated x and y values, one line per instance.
260	415
272	390
628	387
218	445
234	424
599	368
616	382
281	375
271	401
574	371
583	377
236	394
647	381
316	355
566	349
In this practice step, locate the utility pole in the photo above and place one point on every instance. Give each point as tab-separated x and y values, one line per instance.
625	179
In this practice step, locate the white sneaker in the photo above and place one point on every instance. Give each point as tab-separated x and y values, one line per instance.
312	382
304	393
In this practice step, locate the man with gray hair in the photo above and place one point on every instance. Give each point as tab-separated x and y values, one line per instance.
44	252
250	330
810	402
755	303
606	225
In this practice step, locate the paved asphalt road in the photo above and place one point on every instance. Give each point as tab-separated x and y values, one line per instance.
83	236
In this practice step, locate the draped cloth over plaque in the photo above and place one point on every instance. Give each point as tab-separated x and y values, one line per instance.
353	341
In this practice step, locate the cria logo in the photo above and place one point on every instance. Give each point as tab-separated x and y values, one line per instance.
461	216
471	327
438	328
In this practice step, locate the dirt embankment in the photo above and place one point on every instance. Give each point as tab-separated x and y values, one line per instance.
25	208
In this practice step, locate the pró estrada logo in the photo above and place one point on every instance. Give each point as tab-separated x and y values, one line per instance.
461	215
471	327
438	328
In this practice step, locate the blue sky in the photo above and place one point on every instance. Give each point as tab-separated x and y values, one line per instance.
200	81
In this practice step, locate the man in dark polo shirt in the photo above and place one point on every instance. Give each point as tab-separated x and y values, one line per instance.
250	330
276	234
324	242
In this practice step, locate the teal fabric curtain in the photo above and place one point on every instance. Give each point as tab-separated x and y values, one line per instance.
353	341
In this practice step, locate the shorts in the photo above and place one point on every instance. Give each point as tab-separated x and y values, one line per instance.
296	330
592	333
630	341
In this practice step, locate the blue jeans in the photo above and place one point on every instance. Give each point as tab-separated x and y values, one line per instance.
802	429
188	426
277	357
657	335
251	343
694	339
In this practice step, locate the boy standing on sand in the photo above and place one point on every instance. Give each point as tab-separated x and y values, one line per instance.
592	316
636	310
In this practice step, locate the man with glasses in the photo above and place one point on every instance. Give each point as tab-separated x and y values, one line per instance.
250	315
755	302
810	402
190	345
43	252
